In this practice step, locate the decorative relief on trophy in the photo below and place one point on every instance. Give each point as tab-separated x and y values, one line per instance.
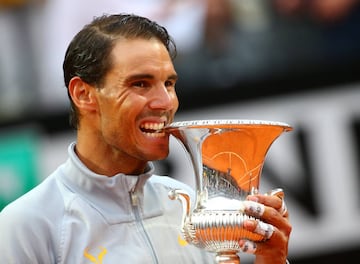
227	157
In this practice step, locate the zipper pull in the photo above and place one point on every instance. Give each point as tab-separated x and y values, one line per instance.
133	198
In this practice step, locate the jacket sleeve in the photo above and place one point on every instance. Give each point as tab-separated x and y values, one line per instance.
24	236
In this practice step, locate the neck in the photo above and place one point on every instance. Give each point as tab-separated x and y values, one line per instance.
106	161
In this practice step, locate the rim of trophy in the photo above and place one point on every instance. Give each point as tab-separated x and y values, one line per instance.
226	122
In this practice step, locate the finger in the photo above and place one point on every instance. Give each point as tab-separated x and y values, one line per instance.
247	246
267	214
283	210
276	246
264	229
279	192
281	195
254	208
251	247
270	201
259	227
274	199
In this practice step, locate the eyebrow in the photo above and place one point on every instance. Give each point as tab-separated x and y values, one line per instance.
148	76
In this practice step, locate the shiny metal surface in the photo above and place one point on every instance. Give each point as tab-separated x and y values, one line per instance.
227	156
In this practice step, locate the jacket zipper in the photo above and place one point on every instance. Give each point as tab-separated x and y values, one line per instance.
139	222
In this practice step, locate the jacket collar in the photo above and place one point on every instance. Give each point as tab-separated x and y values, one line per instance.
109	195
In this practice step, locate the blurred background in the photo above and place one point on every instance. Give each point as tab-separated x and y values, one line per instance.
296	61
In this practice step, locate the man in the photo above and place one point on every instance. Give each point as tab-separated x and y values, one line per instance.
103	205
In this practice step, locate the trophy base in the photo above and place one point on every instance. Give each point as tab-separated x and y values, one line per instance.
228	257
219	231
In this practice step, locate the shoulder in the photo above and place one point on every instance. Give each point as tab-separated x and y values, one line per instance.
33	212
20	226
32	217
31	207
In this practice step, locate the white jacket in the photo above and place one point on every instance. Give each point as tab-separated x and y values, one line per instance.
76	216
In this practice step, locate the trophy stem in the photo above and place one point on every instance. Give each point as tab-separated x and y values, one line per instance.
227	257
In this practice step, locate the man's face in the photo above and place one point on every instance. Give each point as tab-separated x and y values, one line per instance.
137	99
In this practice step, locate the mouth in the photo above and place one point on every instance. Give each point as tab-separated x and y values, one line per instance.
153	129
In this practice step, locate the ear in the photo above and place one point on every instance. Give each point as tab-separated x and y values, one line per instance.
82	94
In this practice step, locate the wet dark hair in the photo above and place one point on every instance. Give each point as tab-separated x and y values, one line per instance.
88	54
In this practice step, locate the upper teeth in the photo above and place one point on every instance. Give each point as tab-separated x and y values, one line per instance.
153	126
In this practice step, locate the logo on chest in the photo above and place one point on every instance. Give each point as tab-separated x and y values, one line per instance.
95	259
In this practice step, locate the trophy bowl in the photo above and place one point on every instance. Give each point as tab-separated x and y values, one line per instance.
227	156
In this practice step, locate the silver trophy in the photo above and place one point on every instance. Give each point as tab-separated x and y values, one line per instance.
227	157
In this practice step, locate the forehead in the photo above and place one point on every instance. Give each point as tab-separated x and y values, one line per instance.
131	54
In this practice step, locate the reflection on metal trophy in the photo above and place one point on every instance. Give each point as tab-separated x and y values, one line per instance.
227	157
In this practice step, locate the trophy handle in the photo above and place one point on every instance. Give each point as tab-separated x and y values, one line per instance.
185	200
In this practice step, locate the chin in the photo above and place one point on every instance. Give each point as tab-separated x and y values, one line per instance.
158	155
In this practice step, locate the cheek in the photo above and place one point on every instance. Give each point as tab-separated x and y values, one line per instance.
130	108
175	102
123	116
120	105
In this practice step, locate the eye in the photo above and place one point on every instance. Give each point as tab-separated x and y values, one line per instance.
140	84
170	83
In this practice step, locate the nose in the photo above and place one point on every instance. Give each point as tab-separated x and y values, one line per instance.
163	98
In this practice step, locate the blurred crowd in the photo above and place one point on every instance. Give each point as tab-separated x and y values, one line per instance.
220	42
